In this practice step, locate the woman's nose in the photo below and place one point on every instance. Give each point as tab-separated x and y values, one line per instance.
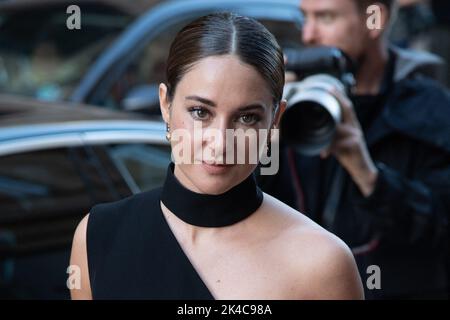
216	137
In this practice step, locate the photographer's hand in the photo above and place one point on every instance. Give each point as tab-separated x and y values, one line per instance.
350	148
290	76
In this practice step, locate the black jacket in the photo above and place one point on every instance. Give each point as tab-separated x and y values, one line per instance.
402	226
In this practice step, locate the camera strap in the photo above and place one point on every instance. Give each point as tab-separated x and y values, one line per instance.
334	196
331	207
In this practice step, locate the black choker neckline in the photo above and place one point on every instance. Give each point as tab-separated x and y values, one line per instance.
208	210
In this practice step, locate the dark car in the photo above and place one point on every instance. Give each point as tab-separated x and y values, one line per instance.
57	161
117	59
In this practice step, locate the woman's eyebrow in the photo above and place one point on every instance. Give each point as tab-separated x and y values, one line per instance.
202	100
213	104
253	106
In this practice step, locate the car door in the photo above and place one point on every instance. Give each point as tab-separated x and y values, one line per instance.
43	196
45	193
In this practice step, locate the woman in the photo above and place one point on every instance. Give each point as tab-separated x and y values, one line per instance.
210	232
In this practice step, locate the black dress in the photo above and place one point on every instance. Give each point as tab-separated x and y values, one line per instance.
132	252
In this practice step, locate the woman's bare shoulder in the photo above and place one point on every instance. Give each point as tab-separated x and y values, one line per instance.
280	215
78	262
315	258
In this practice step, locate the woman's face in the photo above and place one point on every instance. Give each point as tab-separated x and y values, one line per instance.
216	94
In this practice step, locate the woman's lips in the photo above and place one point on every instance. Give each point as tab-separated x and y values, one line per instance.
215	168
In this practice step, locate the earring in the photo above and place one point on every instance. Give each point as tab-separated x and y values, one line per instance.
168	135
269	147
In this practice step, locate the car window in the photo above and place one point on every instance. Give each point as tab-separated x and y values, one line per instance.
44	194
288	34
43	197
40	57
143	166
147	71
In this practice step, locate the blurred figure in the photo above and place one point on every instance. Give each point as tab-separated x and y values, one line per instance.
440	34
425	25
384	184
412	24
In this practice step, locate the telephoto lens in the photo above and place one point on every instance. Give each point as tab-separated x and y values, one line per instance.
313	113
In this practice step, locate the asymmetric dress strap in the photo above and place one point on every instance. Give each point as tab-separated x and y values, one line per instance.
133	254
132	251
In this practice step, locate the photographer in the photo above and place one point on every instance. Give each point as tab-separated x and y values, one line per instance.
383	185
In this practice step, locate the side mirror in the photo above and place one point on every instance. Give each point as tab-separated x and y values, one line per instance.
144	98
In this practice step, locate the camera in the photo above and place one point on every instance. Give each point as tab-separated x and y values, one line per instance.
312	113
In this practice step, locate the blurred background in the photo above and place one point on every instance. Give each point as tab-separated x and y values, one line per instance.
79	112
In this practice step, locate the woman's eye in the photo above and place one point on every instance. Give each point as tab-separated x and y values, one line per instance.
249	119
199	113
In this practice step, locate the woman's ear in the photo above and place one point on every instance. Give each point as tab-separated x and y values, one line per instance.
164	103
278	113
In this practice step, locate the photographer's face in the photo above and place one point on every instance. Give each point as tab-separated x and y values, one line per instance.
336	23
217	93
